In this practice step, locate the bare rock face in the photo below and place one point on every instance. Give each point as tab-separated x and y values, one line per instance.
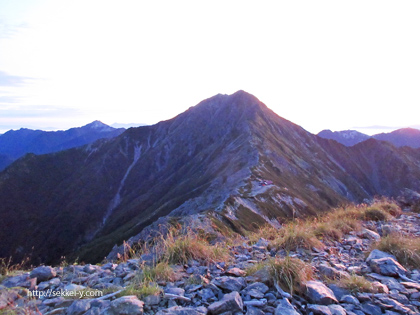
387	266
126	305
377	254
319	293
229	283
179	310
319	309
285	308
78	307
230	302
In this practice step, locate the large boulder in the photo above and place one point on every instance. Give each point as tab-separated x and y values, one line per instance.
387	266
255	290
318	309
23	281
126	305
179	310
229	283
319	293
378	254
230	302
332	273
285	308
43	273
78	307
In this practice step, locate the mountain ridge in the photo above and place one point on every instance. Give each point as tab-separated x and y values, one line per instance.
16	143
400	137
230	155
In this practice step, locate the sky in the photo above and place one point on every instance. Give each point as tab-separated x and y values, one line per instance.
321	64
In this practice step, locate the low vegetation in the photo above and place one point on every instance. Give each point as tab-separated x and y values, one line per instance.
145	282
375	214
288	273
406	249
8	268
160	272
297	235
307	234
355	284
179	249
141	289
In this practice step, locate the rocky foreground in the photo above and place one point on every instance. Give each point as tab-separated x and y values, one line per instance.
200	287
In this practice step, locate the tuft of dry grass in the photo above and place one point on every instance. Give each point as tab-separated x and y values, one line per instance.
267	232
160	272
7	266
355	284
406	249
144	283
297	235
374	213
255	267
141	289
179	249
290	273
389	206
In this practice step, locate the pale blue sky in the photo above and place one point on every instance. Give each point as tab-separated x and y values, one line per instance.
320	64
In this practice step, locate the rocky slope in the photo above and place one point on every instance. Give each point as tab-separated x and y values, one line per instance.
230	155
16	143
199	287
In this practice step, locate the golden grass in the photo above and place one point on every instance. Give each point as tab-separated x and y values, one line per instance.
7	267
160	272
141	290
179	249
144	283
297	235
388	206
405	249
255	267
290	273
355	284
332	225
267	232
375	213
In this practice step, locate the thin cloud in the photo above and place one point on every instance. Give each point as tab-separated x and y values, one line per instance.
10	100
8	30
12	80
38	111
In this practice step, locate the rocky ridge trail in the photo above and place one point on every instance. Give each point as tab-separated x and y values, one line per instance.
229	288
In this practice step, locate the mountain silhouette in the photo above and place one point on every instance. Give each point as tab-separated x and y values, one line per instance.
229	155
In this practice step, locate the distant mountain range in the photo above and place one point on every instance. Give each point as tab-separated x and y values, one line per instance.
229	158
402	137
16	143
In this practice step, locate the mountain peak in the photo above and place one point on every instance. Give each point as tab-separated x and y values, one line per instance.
99	126
407	131
346	137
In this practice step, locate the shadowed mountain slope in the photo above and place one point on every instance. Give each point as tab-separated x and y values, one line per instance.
230	155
